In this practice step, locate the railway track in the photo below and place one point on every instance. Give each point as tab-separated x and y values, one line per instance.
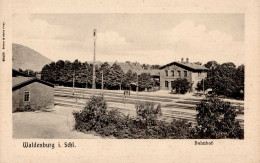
172	107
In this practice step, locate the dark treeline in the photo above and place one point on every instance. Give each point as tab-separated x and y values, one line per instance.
225	79
61	73
28	72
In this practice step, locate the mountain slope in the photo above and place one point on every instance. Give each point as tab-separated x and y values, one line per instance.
26	58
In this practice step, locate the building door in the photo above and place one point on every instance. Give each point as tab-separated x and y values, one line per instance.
171	84
166	84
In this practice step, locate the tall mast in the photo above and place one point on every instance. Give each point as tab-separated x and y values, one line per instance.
94	60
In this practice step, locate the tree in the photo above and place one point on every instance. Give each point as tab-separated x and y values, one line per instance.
198	63
105	68
155	66
181	85
67	73
62	72
59	71
211	64
146	66
115	76
28	72
216	119
207	85
48	72
240	82
145	81
128	79
224	79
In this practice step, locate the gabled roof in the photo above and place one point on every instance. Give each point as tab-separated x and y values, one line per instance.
126	66
188	66
20	81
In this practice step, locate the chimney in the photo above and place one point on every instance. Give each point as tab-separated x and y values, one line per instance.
187	60
181	60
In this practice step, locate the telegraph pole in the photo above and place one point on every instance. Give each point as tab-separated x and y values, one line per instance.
86	81
73	81
203	82
102	82
94	60
137	84
86	76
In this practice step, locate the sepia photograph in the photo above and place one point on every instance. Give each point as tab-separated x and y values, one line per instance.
129	81
128	76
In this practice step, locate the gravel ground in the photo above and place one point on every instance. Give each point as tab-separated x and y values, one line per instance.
55	124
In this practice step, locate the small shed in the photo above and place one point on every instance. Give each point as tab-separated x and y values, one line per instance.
31	92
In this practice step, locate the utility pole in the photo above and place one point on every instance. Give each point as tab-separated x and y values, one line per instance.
137	84
86	76
203	82
94	60
73	82
102	81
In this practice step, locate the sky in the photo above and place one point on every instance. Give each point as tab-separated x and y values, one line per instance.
151	38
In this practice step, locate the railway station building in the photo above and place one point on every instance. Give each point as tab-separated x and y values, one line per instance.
194	73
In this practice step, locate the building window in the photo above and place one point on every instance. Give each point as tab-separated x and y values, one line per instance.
185	73
166	84
179	73
166	72
172	73
26	96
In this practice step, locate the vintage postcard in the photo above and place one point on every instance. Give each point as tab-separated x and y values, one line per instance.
131	81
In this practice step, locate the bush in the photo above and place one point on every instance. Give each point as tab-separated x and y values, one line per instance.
181	85
95	117
216	119
89	117
180	129
26	108
148	113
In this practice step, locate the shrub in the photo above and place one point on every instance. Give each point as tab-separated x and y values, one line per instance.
177	129
88	118
95	117
180	129
148	113
216	119
181	85
26	108
113	123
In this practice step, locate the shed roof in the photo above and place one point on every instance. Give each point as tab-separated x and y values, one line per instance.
20	81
